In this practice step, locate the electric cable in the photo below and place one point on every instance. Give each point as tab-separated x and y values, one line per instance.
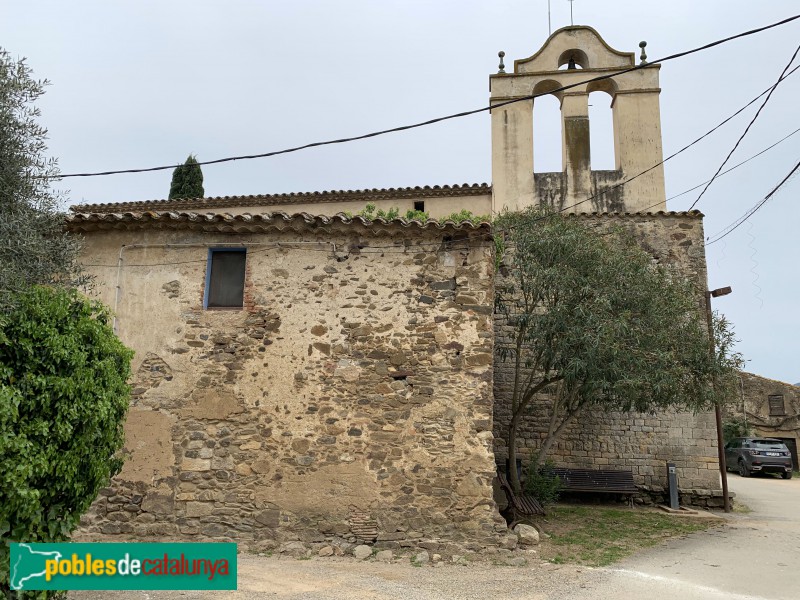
736	224
438	119
736	166
674	154
689	145
393	248
747	129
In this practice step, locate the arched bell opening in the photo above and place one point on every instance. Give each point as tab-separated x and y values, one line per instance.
602	126
547	155
573	59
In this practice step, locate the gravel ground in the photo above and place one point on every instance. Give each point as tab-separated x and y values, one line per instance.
348	579
755	557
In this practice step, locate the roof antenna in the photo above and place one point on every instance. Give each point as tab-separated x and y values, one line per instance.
571	20
549	24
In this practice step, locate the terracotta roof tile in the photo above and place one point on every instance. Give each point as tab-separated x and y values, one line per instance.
222	221
245	223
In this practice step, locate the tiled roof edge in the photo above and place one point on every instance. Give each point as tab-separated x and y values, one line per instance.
88	221
247	222
435	191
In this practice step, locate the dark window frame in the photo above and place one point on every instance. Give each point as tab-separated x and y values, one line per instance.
774	409
207	300
419	205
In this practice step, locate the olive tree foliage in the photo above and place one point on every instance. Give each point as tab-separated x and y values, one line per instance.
727	362
63	399
187	180
592	322
34	249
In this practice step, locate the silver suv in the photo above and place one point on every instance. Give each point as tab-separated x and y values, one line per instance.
758	455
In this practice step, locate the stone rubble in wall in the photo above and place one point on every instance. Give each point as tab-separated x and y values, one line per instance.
363	526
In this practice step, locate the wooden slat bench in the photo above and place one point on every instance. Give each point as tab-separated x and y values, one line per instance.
519	505
592	480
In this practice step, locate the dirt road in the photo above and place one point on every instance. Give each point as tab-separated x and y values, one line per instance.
757	557
348	579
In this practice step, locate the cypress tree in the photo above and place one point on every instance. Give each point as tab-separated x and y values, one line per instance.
187	180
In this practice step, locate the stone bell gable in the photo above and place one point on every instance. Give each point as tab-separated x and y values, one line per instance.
637	129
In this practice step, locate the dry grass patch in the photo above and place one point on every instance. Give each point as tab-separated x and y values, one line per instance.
598	536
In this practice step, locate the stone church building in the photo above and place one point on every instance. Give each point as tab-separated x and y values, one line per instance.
306	376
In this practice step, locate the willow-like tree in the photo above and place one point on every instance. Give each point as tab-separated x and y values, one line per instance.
34	249
187	180
593	322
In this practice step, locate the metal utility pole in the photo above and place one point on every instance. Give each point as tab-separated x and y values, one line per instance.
723	470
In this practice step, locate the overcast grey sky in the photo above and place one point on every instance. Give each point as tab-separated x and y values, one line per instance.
143	83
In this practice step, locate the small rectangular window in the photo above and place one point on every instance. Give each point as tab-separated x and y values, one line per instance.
419	205
225	278
777	408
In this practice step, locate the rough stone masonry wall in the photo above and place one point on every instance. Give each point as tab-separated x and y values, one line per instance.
641	443
350	401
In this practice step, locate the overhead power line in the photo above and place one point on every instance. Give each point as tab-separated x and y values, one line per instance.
736	166
747	129
741	220
674	154
438	119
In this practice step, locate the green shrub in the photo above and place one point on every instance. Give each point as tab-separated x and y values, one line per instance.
542	483
417	215
368	212
499	250
466	215
63	399
390	214
735	427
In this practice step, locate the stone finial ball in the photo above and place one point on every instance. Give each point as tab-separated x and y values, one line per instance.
642	44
